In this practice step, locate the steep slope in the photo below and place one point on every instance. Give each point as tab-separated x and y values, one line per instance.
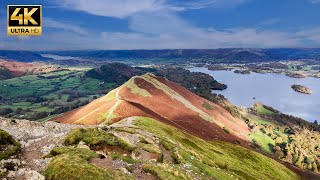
165	101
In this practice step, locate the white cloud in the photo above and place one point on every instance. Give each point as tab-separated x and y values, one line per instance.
270	21
114	8
127	8
310	34
314	1
191	4
51	23
155	25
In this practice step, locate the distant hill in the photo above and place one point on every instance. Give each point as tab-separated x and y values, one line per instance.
200	83
15	69
22	56
158	98
235	54
11	69
214	55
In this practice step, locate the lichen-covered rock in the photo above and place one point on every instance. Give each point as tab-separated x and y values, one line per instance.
36	139
33	175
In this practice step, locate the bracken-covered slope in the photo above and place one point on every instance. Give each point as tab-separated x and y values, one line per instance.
160	99
10	69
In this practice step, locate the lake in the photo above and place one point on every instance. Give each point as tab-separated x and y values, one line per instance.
270	89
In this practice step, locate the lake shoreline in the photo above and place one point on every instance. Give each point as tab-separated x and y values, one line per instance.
271	89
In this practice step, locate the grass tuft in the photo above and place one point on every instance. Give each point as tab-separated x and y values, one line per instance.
165	171
95	138
73	163
8	146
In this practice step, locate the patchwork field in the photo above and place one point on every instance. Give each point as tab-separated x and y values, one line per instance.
48	93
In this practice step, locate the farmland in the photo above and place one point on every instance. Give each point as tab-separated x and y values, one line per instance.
38	96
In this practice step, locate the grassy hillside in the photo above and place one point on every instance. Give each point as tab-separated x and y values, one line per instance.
217	159
290	139
171	154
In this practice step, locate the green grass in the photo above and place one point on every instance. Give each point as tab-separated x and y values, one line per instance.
215	158
207	106
51	85
262	110
263	140
150	148
85	153
70	163
6	140
127	158
259	120
165	171
137	90
33	84
95	138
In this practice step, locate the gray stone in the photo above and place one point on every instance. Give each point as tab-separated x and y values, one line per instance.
33	175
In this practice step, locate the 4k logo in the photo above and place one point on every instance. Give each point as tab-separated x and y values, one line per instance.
25	20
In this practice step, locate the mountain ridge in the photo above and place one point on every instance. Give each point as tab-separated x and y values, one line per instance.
158	98
225	54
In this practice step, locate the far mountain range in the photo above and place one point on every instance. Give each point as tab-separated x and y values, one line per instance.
219	55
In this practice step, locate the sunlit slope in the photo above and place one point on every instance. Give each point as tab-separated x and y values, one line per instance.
160	99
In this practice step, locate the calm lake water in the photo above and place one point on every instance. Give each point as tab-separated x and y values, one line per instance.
270	89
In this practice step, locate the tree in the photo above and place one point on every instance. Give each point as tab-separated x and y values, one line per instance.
278	140
5	111
316	122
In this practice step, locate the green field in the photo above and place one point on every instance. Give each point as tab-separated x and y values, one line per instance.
53	90
263	140
262	110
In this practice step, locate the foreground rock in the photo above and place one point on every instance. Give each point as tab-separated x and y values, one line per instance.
301	89
37	140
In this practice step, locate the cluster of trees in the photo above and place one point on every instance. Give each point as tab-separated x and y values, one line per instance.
8	112
5	111
117	73
275	65
245	71
5	73
200	83
287	120
295	141
303	150
68	107
315	68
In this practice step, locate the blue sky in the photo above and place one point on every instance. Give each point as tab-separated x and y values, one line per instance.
169	24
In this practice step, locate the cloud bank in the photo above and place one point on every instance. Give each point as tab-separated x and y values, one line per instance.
156	24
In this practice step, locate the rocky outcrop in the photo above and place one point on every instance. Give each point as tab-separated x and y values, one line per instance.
36	139
301	89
